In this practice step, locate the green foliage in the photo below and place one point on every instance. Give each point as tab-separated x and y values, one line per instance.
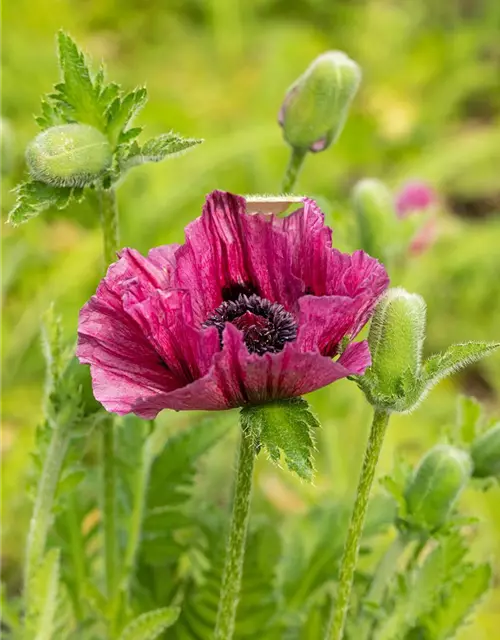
60	166
154	150
150	625
420	592
455	358
33	197
285	427
462	596
49	614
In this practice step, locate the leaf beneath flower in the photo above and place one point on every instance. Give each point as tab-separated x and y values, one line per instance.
285	427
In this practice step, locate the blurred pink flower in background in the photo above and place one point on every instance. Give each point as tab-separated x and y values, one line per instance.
415	196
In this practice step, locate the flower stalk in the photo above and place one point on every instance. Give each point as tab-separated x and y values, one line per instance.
297	157
235	551
340	606
44	501
109	222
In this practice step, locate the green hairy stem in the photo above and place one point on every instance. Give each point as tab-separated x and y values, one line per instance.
42	511
297	158
235	551
109	222
340	606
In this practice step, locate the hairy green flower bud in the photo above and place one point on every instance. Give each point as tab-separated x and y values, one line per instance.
316	105
69	155
485	453
396	338
374	206
436	484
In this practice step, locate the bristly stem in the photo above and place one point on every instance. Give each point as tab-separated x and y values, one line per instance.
340	606
297	158
109	222
108	499
44	501
235	550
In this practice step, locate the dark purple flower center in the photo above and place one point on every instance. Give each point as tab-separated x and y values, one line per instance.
266	326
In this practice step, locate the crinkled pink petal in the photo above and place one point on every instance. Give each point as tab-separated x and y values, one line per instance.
325	321
124	365
166	320
228	251
238	378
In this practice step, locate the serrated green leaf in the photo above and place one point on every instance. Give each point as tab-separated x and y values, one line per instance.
156	149
468	415
77	95
33	197
455	358
285	427
50	116
43	598
129	135
150	625
440	568
452	612
123	110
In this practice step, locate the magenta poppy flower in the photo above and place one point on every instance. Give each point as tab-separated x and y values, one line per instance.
252	308
415	196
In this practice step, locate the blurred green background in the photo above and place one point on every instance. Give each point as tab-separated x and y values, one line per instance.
429	107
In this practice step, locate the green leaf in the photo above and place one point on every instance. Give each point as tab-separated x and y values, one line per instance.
285	427
77	95
33	197
123	110
149	626
169	488
455	358
444	621
424	591
468	416
155	150
43	598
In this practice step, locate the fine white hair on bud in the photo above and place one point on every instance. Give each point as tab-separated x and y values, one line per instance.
396	340
69	155
316	105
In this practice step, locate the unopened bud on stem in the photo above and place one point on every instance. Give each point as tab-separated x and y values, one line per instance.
69	155
436	484
316	105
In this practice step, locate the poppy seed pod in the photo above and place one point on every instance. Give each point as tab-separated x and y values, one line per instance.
316	105
396	338
69	155
436	484
374	208
485	453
